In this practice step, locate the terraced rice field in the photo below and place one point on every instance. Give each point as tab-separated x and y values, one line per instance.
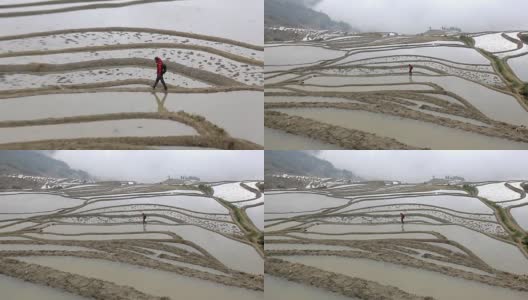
92	73
356	93
348	241
89	241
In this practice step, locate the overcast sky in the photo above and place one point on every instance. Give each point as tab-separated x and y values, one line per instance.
415	16
154	166
418	166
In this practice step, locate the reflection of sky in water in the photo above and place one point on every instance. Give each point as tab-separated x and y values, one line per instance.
520	66
237	108
521	216
224	18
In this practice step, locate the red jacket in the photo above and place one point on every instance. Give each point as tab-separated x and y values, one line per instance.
159	66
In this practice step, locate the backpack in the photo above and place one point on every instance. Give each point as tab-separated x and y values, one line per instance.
163	68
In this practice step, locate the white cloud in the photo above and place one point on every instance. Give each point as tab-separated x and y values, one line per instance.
415	16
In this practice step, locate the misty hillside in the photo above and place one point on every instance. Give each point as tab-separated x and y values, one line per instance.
302	163
296	13
37	163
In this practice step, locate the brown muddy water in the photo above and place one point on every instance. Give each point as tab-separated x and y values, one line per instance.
420	282
282	289
296	99
280	140
499	255
154	282
308	247
234	254
412	132
496	105
20	290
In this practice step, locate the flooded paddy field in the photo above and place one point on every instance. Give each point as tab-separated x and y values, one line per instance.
520	66
88	241
347	240
274	140
454	93
106	61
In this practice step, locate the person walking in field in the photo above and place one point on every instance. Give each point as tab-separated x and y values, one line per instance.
402	216
144	218
161	69
411	67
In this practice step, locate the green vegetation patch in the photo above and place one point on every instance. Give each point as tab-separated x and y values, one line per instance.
473	191
524	90
524	38
467	40
260	186
505	71
206	189
242	219
516	234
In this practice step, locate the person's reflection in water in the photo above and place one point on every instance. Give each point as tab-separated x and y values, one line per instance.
144	227
161	103
403	227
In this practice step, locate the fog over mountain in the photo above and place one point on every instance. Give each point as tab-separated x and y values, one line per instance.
298	13
303	163
37	163
416	16
419	166
154	166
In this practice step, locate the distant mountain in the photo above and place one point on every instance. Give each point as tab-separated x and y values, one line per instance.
302	163
298	14
37	163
